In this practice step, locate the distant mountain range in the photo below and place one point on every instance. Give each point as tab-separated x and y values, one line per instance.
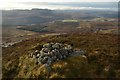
38	16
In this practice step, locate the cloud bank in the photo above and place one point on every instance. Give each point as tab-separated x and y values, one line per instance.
61	5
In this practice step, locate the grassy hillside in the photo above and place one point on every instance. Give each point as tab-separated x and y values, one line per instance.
68	26
102	60
34	28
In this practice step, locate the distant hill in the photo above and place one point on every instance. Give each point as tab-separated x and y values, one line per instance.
34	16
38	16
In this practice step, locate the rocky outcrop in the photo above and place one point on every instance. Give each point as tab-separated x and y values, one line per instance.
10	44
52	52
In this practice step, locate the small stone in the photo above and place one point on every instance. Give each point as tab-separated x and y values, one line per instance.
44	60
56	46
52	43
31	54
48	45
39	59
46	50
38	55
57	59
54	58
59	56
62	51
36	51
80	52
69	47
47	67
64	56
49	60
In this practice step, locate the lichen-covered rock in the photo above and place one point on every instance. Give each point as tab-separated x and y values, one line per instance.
38	55
48	45
56	46
44	60
50	60
46	50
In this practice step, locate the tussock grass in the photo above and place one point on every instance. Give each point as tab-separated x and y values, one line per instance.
101	61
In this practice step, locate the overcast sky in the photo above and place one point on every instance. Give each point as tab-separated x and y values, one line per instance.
59	0
29	4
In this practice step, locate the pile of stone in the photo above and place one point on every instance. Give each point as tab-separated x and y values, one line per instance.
52	52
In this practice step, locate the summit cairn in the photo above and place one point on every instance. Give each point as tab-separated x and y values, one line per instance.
52	52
